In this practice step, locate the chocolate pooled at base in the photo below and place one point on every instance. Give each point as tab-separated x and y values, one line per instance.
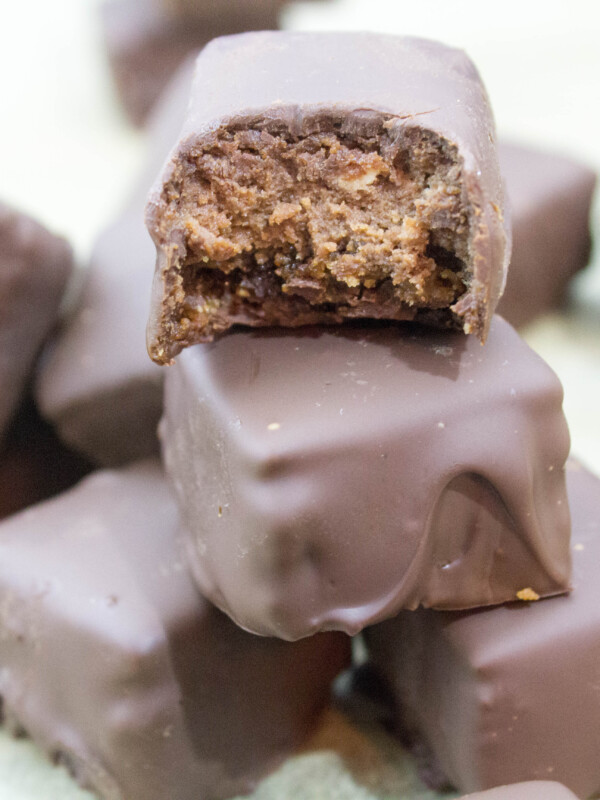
114	664
495	696
332	176
328	477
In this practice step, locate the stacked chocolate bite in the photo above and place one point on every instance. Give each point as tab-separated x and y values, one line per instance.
322	477
329	477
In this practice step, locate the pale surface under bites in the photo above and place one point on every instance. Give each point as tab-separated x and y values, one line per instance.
329	176
528	790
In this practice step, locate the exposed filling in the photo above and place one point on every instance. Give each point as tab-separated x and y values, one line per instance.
322	223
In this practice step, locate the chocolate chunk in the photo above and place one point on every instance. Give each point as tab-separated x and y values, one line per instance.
530	790
330	476
550	198
508	694
332	176
113	663
148	39
34	268
98	385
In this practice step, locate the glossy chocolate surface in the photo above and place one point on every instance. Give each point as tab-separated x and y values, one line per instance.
384	89
35	266
329	477
550	198
507	694
113	663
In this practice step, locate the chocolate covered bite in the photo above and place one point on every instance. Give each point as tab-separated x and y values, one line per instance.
507	694
35	266
97	385
550	198
329	477
147	40
114	664
321	177
34	464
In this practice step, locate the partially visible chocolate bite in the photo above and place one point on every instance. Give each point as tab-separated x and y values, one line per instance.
550	198
148	39
332	176
529	790
97	384
35	266
114	664
328	477
34	464
507	694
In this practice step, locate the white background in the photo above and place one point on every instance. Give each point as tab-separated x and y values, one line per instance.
67	155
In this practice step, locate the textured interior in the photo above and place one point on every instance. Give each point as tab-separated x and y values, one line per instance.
279	227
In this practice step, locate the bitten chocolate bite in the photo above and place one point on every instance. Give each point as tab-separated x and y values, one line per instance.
506	694
331	176
115	665
329	477
550	198
35	266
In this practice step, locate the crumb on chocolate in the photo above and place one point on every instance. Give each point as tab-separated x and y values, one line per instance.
528	595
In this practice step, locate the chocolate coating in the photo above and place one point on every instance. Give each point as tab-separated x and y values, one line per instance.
507	694
529	790
97	385
113	664
387	96
550	198
147	40
34	464
329	477
35	266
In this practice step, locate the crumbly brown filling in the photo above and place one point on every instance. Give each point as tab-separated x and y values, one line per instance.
323	223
